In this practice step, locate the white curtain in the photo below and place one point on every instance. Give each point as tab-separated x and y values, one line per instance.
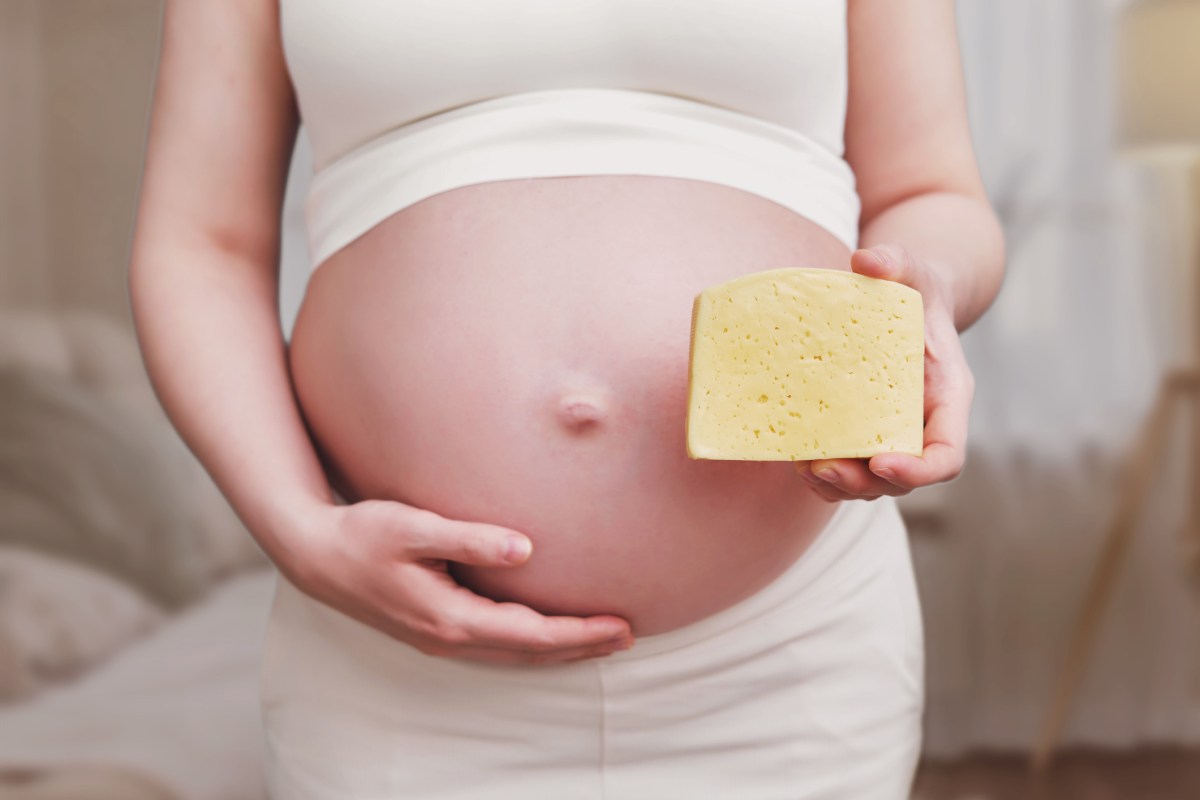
1067	363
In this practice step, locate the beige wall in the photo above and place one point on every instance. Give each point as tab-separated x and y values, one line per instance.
75	84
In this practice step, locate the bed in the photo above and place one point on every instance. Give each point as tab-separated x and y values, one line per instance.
132	600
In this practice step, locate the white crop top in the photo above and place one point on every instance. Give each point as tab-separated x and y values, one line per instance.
403	99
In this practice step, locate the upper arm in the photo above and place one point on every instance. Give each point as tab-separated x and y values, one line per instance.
222	126
906	120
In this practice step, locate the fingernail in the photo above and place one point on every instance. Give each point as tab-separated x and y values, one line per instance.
624	643
830	475
872	254
886	473
517	549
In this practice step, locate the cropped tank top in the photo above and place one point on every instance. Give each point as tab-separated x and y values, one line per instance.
404	99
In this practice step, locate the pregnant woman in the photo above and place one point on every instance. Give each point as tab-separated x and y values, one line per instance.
500	574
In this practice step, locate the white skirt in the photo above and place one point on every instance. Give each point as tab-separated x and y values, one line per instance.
810	689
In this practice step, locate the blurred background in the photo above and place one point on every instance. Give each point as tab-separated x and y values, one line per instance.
1060	574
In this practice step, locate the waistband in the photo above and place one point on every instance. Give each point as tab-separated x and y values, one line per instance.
562	132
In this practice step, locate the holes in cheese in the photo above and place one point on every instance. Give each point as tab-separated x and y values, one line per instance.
798	364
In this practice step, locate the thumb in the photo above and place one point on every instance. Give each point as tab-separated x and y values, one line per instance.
886	261
467	542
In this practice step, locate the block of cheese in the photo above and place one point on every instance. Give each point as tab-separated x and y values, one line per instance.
799	364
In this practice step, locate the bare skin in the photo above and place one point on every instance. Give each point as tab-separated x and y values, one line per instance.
539	382
556	421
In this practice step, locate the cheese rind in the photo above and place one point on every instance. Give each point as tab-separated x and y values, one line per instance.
799	364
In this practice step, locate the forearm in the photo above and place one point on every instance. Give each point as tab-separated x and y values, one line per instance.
208	327
957	236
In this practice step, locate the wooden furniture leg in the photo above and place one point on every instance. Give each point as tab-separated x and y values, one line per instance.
1192	529
1150	452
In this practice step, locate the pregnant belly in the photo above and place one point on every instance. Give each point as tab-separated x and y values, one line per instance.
517	353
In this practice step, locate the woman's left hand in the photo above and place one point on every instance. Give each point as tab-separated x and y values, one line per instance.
949	389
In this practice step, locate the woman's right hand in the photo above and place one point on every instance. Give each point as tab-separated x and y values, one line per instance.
384	564
203	283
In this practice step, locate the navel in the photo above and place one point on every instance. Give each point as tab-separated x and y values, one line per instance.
581	411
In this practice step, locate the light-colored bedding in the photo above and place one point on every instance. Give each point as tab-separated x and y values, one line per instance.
178	708
82	783
132	600
58	619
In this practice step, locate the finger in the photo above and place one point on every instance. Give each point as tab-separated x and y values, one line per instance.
941	460
457	616
944	451
887	261
519	627
826	491
431	535
830	494
853	477
499	655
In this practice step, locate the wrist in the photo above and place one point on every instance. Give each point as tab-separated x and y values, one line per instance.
291	529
